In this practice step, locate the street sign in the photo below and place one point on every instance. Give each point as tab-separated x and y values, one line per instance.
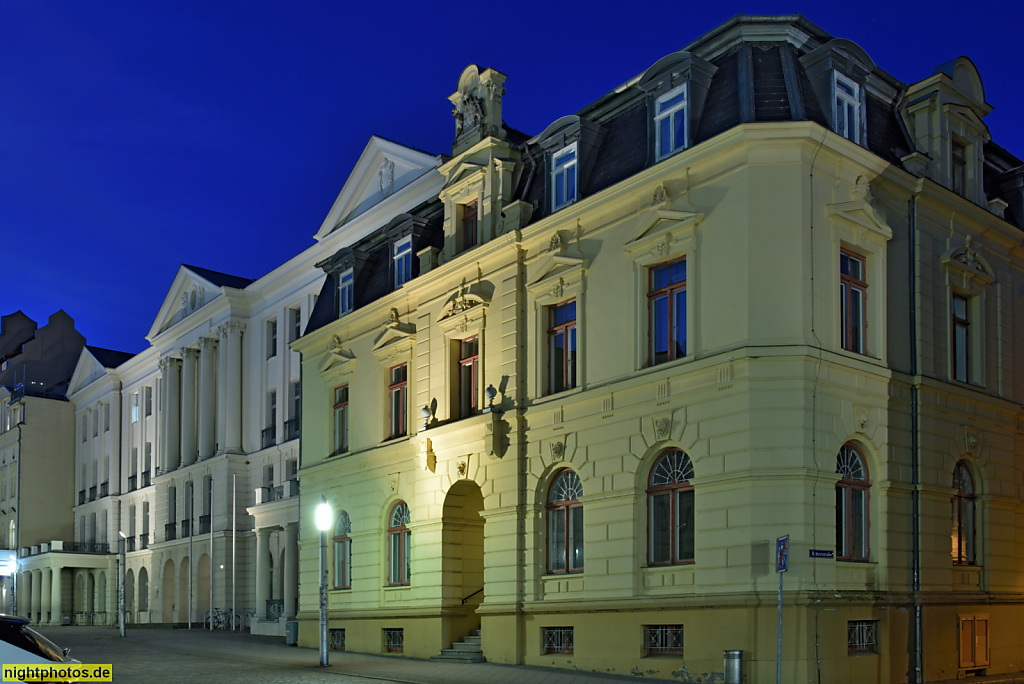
822	553
782	554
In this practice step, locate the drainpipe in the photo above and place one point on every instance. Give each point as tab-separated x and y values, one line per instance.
915	461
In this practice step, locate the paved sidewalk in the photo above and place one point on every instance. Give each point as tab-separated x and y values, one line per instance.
175	655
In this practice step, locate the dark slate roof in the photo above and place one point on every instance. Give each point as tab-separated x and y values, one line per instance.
108	357
220	279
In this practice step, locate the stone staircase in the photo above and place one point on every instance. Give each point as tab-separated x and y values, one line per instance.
468	650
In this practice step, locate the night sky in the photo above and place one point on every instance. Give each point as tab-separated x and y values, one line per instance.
136	136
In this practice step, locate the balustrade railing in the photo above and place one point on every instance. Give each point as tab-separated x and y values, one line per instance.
144	541
132	480
92	493
275	608
129	544
204	524
104	489
81	497
186	526
170	531
145	478
269	436
291	429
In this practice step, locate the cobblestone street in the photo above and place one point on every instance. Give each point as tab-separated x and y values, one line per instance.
177	655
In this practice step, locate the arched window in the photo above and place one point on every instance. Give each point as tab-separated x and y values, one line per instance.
399	544
565	523
342	552
851	505
963	516
670	510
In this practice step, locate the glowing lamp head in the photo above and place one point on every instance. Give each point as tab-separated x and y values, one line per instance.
323	517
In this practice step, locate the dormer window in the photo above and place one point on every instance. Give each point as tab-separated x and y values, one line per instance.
403	261
563	177
670	122
345	293
958	159
846	116
469	225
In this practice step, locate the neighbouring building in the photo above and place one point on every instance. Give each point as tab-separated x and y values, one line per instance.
190	449
37	429
574	398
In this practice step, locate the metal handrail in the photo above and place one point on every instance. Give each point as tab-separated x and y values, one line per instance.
472	595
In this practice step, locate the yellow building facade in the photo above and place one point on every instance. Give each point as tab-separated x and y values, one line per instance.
633	351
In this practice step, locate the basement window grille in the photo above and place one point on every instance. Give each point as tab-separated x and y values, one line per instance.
337	639
558	640
862	636
664	639
394	640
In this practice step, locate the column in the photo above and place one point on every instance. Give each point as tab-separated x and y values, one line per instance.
262	571
233	391
222	351
37	580
207	398
56	609
188	405
24	593
291	568
172	422
45	596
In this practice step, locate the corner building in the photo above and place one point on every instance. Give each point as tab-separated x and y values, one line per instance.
761	289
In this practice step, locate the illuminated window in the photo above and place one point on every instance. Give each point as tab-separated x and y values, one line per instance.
345	293
846	115
563	177
341	419
963	516
562	346
403	261
469	364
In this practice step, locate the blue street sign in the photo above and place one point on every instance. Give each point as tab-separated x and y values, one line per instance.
782	554
819	553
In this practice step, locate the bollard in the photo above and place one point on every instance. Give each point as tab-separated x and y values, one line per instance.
733	667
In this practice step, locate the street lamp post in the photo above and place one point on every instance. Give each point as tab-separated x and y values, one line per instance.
323	523
120	581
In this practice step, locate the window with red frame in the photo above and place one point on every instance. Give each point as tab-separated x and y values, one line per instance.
399	545
851	505
341	419
562	346
565	523
398	395
469	358
342	552
852	302
666	296
670	510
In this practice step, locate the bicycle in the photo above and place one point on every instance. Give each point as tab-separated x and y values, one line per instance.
221	619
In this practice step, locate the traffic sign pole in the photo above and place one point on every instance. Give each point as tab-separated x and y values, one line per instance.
781	565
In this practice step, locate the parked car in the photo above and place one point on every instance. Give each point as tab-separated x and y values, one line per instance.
22	645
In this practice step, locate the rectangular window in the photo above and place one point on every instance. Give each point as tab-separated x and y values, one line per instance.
394	640
847	108
341	419
961	338
397	394
272	408
469	362
271	339
469	225
664	639
134	404
85	427
147	395
296	320
403	261
338	639
291	469
667	305
147	463
862	636
958	158
670	122
106	417
557	639
563	177
345	293
95	423
296	399
562	346
852	301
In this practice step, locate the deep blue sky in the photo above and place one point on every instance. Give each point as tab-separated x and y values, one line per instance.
136	136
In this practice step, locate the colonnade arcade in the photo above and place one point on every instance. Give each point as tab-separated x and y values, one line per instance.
197	421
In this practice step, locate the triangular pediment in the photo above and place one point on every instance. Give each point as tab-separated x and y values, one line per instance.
384	168
561	261
340	357
87	371
396	335
663	225
189	292
860	214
